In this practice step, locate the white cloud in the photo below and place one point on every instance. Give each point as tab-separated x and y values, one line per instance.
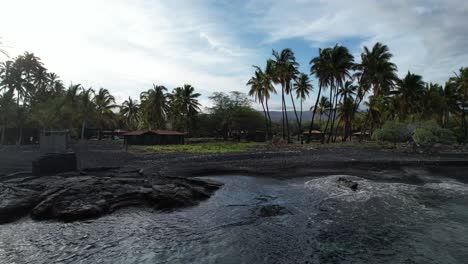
126	45
427	37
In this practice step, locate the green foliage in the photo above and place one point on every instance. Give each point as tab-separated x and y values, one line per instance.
393	131
422	133
424	137
430	133
217	147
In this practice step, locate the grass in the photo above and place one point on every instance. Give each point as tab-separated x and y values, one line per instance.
214	147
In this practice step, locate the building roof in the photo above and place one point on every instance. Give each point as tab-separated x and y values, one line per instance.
168	132
312	132
120	131
137	133
154	132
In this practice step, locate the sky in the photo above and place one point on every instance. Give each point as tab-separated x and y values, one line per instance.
127	45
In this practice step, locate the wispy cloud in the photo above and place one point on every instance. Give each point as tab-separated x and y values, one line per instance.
125	45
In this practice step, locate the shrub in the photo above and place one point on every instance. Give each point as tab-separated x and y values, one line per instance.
424	137
393	131
431	133
423	133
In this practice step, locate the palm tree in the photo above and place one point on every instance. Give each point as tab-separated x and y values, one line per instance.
154	105
87	108
6	106
185	103
303	87
347	108
323	106
130	113
341	64
376	70
321	70
285	69
104	103
460	83
409	94
256	91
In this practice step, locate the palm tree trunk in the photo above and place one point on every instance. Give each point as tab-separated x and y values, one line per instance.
285	115
334	115
2	140
18	142
282	110
266	118
269	118
300	126
83	124
330	116
313	114
295	112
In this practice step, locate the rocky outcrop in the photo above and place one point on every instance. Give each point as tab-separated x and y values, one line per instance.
347	183
74	196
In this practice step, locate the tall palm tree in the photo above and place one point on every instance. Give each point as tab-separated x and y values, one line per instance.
376	70
324	106
87	108
256	91
104	103
184	101
6	107
154	106
460	84
303	87
410	94
321	70
347	109
341	63
130	113
285	69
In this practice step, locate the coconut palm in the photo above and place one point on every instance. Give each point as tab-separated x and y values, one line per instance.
341	63
184	103
410	94
154	106
285	69
256	91
321	70
7	104
323	107
460	84
87	108
346	113
303	87
376	71
104	103
130	113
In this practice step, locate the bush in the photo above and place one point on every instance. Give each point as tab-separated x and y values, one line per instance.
424	137
431	133
422	133
393	131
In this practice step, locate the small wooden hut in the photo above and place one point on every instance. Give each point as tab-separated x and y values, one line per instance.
314	135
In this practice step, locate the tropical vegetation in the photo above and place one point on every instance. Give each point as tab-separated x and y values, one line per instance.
354	97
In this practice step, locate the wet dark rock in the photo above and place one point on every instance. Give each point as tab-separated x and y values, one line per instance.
73	197
347	183
272	210
49	164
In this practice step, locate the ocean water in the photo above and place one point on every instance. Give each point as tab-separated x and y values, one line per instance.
260	220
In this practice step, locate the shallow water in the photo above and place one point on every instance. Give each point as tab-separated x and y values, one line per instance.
258	220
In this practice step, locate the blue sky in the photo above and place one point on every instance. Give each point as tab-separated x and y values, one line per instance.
126	45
